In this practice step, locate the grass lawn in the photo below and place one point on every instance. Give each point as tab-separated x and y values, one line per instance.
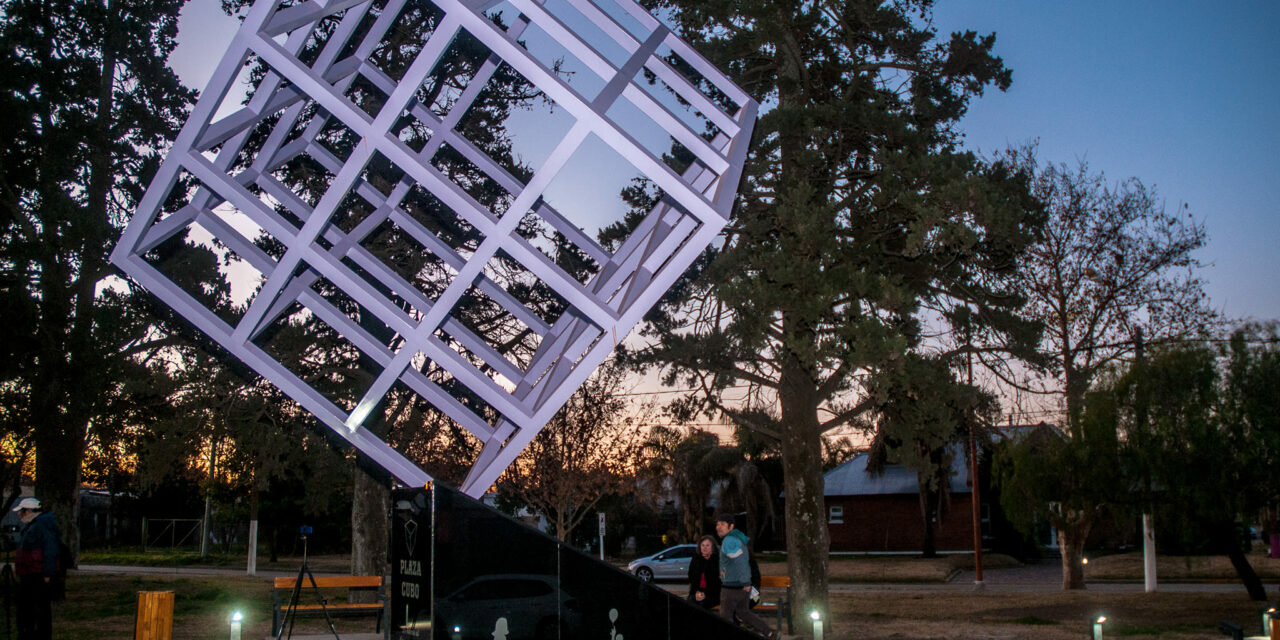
1128	566
1040	616
102	606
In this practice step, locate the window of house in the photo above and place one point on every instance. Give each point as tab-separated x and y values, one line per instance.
836	515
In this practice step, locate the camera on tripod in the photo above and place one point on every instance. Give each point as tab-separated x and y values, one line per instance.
8	537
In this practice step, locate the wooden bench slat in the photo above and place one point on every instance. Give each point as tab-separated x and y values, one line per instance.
333	582
332	606
781	582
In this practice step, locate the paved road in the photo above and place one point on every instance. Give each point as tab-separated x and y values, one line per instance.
1032	578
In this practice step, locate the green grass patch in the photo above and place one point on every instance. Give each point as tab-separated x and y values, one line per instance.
133	556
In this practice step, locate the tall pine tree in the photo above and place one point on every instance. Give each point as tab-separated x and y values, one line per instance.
857	210
88	103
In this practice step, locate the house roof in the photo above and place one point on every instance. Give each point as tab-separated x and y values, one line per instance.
852	479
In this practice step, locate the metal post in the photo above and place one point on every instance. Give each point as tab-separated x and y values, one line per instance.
601	535
976	494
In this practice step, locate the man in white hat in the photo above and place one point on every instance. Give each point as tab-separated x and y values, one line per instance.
37	567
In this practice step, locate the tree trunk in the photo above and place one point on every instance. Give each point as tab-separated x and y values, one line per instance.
808	542
273	544
1224	537
1071	537
369	526
58	457
928	509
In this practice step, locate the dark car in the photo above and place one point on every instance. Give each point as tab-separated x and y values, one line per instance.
517	606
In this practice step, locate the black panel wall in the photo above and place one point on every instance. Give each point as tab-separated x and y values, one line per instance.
463	571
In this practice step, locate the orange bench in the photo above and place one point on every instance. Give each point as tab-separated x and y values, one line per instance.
779	603
308	607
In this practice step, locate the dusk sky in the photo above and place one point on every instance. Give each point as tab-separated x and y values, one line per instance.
1180	94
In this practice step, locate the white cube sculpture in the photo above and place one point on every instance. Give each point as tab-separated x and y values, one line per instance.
311	249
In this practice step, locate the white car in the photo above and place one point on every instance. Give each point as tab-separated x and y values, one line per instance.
668	564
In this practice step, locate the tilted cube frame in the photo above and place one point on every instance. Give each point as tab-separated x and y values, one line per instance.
311	252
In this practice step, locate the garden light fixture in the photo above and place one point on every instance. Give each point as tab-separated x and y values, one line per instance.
237	619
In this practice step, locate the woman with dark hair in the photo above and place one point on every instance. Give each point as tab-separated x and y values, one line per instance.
704	574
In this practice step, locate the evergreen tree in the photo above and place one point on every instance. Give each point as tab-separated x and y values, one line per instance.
88	105
857	210
925	418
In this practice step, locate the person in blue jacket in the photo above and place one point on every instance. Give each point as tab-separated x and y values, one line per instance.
36	564
735	577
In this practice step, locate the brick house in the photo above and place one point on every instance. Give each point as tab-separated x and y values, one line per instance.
881	513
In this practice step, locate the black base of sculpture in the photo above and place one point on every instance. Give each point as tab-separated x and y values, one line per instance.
463	571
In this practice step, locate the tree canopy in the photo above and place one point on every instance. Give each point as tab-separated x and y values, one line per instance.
856	210
89	105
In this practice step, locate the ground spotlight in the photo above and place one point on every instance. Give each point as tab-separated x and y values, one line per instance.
1097	627
817	624
237	619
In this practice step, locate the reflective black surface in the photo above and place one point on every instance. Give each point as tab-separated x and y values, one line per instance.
463	571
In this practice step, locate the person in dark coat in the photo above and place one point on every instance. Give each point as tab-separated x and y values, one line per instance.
36	564
704	574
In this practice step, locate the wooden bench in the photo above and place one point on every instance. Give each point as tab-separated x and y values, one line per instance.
309	599
778	602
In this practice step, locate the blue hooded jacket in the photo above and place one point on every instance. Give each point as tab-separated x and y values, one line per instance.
735	560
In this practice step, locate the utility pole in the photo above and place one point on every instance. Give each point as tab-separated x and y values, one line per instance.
208	505
976	493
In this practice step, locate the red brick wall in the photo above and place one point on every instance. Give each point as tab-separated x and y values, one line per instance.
892	523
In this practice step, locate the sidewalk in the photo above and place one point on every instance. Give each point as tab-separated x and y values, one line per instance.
193	571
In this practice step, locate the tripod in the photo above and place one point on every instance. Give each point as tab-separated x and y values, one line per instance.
291	612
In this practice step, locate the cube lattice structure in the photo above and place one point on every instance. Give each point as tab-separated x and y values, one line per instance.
366	188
